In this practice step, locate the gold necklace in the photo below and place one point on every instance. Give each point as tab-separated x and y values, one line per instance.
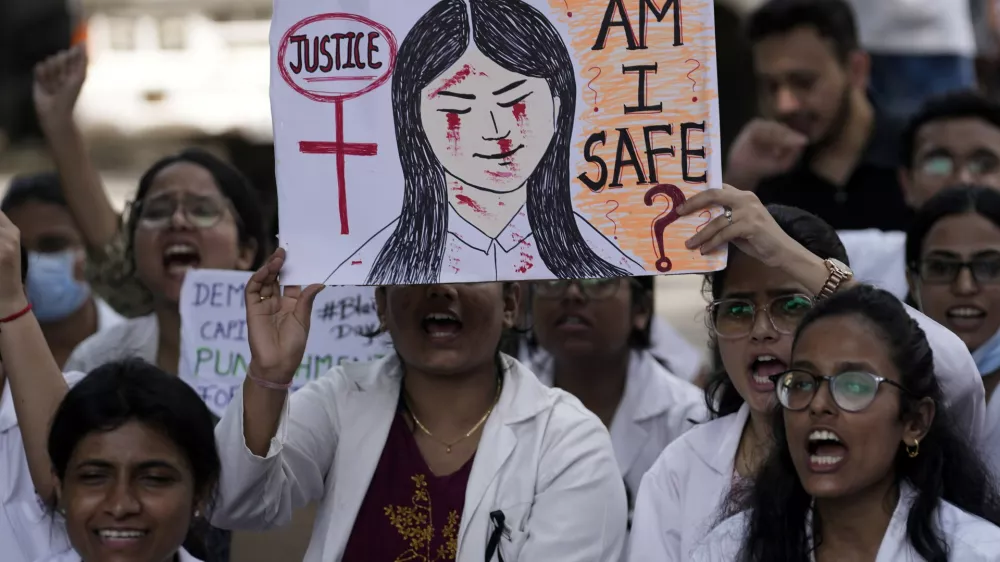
448	446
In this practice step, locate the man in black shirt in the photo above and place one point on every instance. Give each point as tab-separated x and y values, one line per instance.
821	146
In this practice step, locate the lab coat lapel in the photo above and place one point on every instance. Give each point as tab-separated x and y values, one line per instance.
367	412
719	450
522	397
628	428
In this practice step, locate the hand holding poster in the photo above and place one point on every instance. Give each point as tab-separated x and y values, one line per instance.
215	352
479	140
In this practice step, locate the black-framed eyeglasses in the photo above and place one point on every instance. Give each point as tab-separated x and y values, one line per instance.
594	289
985	269
942	165
735	318
852	391
200	211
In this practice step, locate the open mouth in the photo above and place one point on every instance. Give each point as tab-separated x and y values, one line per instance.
764	366
179	258
500	156
826	450
441	325
572	323
965	316
120	537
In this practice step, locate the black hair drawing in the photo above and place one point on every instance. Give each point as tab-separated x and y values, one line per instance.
520	39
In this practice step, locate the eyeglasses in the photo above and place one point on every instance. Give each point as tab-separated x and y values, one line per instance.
199	210
735	318
852	391
594	289
944	271
945	165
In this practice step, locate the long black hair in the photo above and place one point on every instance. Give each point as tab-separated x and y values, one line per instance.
947	468
811	232
957	200
520	39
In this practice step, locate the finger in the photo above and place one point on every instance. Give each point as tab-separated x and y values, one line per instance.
724	236
714	226
304	305
5	222
782	135
266	276
706	199
292	291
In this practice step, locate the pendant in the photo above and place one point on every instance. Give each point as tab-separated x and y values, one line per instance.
447	449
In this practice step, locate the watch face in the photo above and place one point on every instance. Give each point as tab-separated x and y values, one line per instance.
841	267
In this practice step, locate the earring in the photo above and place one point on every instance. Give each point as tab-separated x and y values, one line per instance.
913	450
197	514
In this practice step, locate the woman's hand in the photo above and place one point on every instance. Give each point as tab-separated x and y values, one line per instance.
58	81
748	226
12	296
278	324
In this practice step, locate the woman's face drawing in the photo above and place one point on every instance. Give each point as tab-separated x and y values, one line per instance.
488	127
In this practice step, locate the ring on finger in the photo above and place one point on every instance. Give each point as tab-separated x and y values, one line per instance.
728	214
263	298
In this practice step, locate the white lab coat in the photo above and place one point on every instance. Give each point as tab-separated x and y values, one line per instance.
28	532
72	556
656	408
878	257
969	538
680	496
543	459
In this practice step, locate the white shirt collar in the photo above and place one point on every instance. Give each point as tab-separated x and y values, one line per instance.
8	417
516	231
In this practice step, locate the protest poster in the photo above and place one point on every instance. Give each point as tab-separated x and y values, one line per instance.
215	351
424	141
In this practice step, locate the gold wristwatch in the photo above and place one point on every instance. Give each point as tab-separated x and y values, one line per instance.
839	273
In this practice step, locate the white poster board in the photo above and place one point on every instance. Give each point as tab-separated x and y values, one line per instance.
214	347
422	141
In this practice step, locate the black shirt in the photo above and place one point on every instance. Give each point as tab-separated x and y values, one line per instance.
871	198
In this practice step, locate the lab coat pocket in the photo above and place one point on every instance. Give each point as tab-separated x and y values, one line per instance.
508	532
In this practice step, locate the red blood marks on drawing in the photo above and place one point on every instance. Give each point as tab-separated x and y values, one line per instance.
468	202
520	116
499	203
527	258
456	79
509	167
454	134
505	148
356	262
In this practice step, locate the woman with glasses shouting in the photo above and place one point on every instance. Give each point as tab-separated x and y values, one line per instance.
596	333
868	462
953	253
782	261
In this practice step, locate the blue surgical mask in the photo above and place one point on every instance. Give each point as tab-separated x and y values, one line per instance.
987	356
52	287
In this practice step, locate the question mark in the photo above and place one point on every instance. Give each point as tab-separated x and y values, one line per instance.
591	87
707	220
568	13
663	220
693	81
608	215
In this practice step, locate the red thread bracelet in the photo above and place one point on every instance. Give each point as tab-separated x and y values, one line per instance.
16	315
268	384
